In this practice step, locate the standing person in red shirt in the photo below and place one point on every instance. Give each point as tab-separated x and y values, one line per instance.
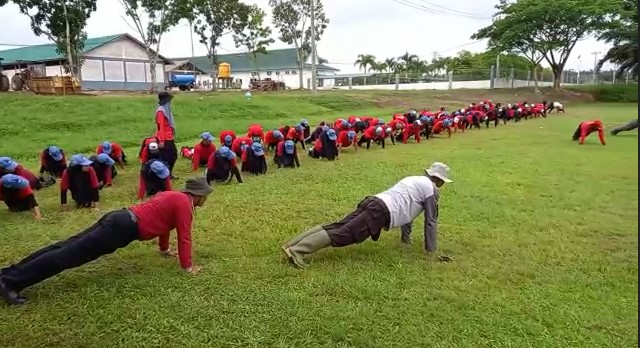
587	127
152	219
154	178
227	137
82	180
9	166
166	130
17	195
346	139
202	151
114	150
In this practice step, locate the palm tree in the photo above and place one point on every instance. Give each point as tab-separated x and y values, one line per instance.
365	61
407	62
624	38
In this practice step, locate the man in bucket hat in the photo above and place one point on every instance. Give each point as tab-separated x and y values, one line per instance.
154	218
395	207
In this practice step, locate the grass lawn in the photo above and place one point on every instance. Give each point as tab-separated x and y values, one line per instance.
544	231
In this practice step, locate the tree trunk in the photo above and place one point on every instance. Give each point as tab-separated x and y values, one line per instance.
300	69
214	74
536	89
557	76
152	71
72	70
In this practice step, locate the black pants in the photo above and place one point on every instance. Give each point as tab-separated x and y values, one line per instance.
169	153
113	231
631	125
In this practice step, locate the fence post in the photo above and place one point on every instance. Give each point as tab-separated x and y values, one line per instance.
528	78
492	77
450	73
512	76
614	76
397	81
350	82
628	72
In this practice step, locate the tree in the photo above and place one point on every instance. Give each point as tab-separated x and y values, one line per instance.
624	37
255	37
212	19
151	19
549	27
391	64
62	22
365	61
292	18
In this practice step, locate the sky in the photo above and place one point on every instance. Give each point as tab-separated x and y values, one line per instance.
383	28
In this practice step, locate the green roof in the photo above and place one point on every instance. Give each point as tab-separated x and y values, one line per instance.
282	59
47	52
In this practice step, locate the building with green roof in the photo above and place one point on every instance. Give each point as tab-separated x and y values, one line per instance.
114	62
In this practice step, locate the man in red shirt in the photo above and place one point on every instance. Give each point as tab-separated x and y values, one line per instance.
166	130
17	195
152	219
202	151
587	127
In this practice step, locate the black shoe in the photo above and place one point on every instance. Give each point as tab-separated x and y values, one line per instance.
10	296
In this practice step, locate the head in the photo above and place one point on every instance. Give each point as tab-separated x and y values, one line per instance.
80	161
164	98
106	147
207	138
388	130
344	123
325	128
277	134
304	123
257	149
400	125
413	113
299	128
331	135
289	147
417	123
153	147
8	165
103	158
256	139
244	146
379	131
160	169
228	140
55	153
198	189
351	135
12	181
439	173
226	153
358	119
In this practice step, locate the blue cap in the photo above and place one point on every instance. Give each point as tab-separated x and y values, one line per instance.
8	164
55	153
257	148
228	139
206	136
304	122
345	123
277	134
105	159
289	147
12	181
378	131
79	160
351	135
244	146
381	121
325	128
160	169
226	152
424	118
106	147
331	134
447	122
299	128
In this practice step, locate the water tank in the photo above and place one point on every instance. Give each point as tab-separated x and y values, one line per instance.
224	71
183	79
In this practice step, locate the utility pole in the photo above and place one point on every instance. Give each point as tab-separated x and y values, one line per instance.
595	64
313	47
193	54
498	65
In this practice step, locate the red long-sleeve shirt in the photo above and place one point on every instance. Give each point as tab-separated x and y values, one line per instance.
116	150
201	152
409	131
255	130
164	131
224	133
162	213
142	186
292	134
93	179
211	163
343	139
43	159
589	127
237	143
22	193
21	171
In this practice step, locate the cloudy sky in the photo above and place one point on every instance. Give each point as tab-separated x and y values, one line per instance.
384	28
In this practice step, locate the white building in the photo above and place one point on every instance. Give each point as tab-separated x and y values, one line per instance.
279	65
115	62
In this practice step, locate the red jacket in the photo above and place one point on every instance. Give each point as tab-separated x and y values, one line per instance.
269	139
293	134
161	214
211	163
201	154
93	180
237	143
164	131
589	127
21	171
144	152
343	139
370	133
409	131
224	133
255	130
22	193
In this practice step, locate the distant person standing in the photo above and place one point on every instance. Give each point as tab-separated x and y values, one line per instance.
166	130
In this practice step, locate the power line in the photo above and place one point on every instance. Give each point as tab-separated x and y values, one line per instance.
435	11
451	10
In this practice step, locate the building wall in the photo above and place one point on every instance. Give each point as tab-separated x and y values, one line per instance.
290	79
481	84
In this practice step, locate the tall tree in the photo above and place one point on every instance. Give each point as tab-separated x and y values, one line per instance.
365	61
552	26
63	22
293	20
212	19
151	19
391	64
255	37
624	37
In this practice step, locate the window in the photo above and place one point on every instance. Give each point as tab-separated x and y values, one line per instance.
286	72
277	73
254	73
268	73
294	72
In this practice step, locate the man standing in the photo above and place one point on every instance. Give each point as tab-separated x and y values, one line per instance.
145	221
166	130
395	207
631	125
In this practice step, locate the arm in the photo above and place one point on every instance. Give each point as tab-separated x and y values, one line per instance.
183	228
430	207
601	136
142	187
167	184
195	158
382	142
235	172
64	186
584	131
393	140
161	122
296	159
95	185
42	163
107	176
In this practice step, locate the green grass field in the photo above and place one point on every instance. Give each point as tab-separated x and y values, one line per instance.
544	231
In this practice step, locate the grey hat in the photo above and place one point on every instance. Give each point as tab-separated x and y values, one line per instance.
197	187
440	171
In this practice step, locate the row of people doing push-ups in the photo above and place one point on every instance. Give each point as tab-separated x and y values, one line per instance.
85	177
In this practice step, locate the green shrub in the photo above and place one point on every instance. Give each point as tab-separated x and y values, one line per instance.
617	93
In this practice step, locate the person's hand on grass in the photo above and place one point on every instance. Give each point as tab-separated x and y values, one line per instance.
168	253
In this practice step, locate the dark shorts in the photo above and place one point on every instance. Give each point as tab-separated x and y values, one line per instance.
368	220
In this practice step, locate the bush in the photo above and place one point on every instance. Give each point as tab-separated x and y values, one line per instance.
618	93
